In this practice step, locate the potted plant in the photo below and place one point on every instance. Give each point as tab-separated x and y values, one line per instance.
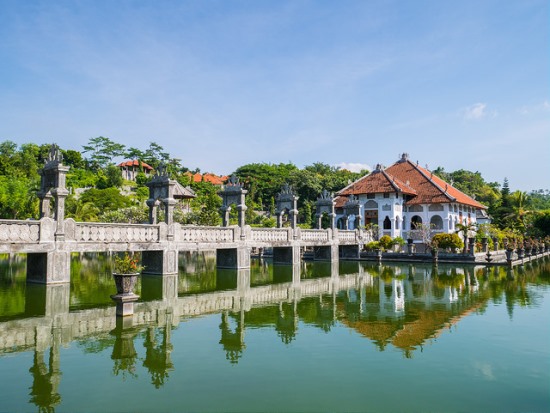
125	272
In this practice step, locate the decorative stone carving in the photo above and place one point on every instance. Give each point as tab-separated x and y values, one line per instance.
233	193
353	207
325	205
52	187
286	202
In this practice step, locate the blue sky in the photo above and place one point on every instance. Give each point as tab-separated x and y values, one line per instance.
218	84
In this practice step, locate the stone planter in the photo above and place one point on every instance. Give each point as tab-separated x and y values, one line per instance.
125	296
125	283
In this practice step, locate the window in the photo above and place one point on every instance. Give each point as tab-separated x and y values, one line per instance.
387	223
437	222
386	195
371	196
416	220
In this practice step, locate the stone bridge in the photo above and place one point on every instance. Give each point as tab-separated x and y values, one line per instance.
48	258
49	241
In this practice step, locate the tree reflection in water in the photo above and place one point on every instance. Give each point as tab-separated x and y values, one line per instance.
232	341
157	354
45	381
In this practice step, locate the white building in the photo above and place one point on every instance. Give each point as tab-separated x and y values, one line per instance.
401	196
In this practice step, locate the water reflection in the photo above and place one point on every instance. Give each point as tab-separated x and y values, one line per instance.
401	307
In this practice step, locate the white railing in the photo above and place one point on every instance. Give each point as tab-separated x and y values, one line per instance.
270	235
346	236
204	234
101	232
315	235
19	231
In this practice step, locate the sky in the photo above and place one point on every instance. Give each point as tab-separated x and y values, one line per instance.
219	84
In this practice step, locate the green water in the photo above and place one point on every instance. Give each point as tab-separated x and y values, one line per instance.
318	337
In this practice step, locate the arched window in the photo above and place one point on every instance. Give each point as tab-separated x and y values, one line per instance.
387	223
416	220
397	219
436	222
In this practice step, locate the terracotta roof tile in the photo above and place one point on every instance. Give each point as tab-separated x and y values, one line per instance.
379	182
134	162
430	188
207	177
421	185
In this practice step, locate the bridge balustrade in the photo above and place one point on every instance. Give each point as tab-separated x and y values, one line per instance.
113	233
205	234
270	235
313	235
347	236
19	231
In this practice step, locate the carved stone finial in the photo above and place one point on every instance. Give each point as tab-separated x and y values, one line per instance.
234	181
325	195
404	157
161	170
54	156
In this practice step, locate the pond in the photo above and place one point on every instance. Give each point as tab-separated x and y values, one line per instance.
350	336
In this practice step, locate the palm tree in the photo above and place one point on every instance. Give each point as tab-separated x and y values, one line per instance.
465	228
519	202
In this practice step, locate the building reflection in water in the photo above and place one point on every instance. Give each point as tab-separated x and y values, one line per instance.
402	306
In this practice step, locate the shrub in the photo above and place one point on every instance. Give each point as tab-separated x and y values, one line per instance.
372	246
386	242
398	241
445	241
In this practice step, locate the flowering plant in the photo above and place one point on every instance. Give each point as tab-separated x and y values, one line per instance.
127	264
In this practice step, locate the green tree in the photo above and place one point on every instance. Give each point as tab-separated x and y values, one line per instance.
111	178
102	151
17	198
108	199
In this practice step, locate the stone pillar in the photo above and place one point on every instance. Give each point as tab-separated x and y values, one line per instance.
287	201
484	244
153	208
163	262
286	255
45	209
52	185
233	258
49	267
326	253
60	194
233	193
471	242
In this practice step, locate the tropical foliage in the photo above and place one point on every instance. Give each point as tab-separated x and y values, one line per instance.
99	193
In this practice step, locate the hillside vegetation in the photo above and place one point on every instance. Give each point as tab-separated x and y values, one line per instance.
98	192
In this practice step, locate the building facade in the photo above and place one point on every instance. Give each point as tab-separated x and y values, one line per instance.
402	199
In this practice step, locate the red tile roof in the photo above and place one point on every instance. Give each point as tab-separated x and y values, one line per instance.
135	162
430	188
421	185
207	177
379	182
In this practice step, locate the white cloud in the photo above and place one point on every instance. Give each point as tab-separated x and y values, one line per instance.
353	167
475	112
